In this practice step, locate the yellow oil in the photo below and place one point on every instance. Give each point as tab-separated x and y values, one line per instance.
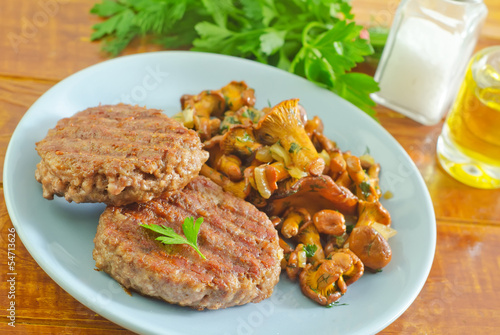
474	124
472	131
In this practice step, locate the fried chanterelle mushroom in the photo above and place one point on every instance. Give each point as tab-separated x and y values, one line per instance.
326	280
283	124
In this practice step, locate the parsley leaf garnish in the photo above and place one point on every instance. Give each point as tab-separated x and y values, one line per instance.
318	40
336	303
310	249
294	148
190	229
365	188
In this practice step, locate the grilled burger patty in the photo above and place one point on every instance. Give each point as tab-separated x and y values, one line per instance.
239	242
117	154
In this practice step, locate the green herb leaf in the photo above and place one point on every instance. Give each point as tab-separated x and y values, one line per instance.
272	41
365	188
318	40
190	227
349	228
107	8
294	148
336	303
219	10
310	249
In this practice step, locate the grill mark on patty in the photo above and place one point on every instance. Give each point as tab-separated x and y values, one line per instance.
140	132
241	266
160	258
116	144
228	237
122	150
226	222
235	211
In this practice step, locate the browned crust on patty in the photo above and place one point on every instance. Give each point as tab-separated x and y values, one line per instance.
239	241
117	154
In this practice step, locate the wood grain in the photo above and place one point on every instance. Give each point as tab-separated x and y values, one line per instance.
16	96
461	295
44	41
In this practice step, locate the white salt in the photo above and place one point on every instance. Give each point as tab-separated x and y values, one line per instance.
416	80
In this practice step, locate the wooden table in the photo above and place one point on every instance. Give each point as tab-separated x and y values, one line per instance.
42	42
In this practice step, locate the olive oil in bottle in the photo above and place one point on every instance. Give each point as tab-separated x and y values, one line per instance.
469	146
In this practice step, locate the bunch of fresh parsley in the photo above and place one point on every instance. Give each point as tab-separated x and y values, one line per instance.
316	39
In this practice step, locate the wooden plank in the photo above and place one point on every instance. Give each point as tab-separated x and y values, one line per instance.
50	39
16	96
46	39
461	295
31	327
452	200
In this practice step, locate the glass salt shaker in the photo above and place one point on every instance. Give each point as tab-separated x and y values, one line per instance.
426	55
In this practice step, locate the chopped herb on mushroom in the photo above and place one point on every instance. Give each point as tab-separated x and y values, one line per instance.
327	280
283	123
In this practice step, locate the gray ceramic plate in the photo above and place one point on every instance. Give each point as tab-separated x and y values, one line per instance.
59	235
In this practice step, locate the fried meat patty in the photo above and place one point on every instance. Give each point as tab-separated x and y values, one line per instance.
117	154
239	242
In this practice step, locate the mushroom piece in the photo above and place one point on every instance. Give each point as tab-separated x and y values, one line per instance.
287	250
292	220
239	140
264	177
248	115
256	199
337	164
365	186
321	142
330	222
372	211
240	189
207	103
275	172
334	243
370	246
230	120
283	124
309	236
313	194
314	124
327	280
230	165
204	105
237	94
297	260
213	143
373	173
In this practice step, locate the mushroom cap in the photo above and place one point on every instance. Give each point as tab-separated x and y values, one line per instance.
314	194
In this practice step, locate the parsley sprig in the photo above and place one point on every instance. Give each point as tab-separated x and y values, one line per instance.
190	227
318	40
310	249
